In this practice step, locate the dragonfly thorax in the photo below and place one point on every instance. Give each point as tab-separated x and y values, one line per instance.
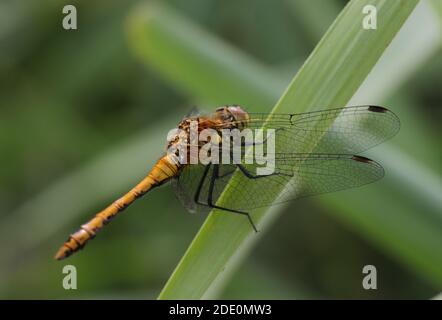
192	132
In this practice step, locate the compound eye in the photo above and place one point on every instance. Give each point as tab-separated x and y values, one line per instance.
219	109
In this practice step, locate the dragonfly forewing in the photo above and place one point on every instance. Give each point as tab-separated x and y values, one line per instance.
349	130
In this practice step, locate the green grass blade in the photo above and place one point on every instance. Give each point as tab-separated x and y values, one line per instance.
437	5
314	16
330	77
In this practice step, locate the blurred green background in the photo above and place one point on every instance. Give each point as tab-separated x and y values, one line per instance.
83	117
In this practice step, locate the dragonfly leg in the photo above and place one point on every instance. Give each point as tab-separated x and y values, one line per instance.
238	212
203	178
215	174
201	183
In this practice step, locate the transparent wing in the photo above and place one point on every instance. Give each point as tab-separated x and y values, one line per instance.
295	176
349	130
301	175
303	166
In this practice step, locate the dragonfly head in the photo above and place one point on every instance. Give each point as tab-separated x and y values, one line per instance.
234	113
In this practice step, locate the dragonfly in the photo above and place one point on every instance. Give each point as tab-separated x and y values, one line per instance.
315	153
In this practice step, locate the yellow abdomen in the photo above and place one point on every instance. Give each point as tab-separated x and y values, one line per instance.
163	170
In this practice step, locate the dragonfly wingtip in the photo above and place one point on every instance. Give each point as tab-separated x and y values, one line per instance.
378	109
361	159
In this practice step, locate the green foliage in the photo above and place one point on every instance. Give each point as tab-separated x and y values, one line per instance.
330	77
82	122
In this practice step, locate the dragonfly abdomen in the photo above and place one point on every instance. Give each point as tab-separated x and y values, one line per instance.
165	169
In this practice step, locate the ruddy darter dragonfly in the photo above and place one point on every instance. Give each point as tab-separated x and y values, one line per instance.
315	153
